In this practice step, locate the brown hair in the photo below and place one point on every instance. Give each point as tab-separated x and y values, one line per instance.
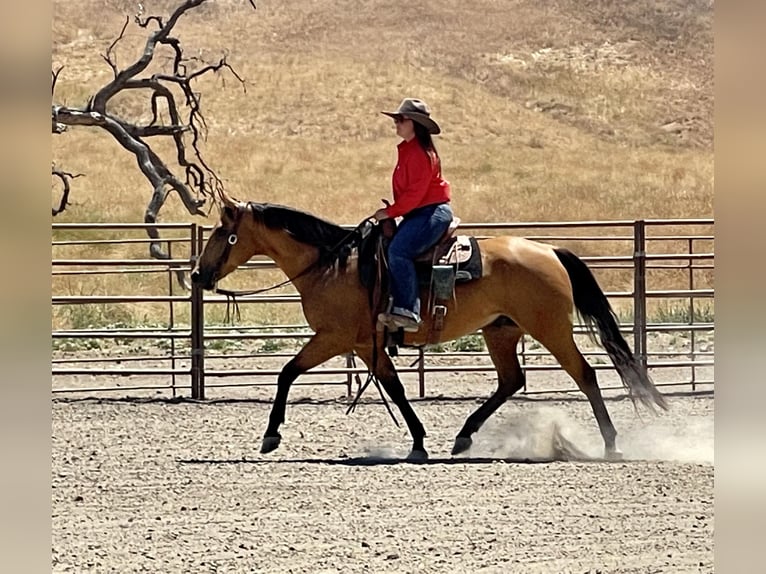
426	141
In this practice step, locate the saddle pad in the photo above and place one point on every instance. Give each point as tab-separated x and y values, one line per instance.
459	252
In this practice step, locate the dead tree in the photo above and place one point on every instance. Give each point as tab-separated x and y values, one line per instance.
198	181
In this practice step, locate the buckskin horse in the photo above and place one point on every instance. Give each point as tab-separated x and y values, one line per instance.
525	287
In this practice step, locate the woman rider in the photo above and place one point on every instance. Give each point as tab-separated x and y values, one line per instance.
421	197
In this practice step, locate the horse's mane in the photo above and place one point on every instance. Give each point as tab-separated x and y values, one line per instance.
333	241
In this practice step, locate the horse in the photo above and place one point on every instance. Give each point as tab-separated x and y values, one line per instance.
526	287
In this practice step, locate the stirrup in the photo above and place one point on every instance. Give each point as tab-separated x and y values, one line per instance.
392	321
384	322
409	324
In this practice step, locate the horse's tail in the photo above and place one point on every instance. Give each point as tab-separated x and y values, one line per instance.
599	317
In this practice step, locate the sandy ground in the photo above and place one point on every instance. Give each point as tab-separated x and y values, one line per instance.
157	486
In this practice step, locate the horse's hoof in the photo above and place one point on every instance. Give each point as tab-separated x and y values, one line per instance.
462	444
613	454
417	456
270	443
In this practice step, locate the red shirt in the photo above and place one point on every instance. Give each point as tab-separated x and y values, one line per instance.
417	180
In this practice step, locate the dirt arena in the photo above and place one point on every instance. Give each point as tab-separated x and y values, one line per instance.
161	486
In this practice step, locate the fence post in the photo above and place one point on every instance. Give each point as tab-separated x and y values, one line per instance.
639	290
171	320
350	364
197	324
523	356
692	319
421	373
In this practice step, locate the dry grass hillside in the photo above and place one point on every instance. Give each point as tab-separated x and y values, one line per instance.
551	110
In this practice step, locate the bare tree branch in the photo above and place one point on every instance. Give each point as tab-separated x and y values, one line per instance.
55	74
65	177
110	49
199	182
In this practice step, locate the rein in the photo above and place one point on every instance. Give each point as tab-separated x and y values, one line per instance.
232	307
374	300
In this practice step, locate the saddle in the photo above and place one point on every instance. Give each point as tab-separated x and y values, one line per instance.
457	251
453	259
443	245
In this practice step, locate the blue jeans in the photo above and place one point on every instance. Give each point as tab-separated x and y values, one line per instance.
419	231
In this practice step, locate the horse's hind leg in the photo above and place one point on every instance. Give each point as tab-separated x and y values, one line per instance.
501	344
385	371
568	355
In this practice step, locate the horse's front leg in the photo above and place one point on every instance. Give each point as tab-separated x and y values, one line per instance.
320	348
385	371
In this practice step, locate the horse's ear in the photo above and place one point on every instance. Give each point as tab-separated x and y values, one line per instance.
228	211
227	207
228	201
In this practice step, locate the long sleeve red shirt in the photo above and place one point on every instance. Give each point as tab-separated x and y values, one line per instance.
417	180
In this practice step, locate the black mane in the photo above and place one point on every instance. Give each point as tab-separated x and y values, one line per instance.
333	241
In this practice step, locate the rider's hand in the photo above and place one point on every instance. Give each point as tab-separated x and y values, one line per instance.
381	214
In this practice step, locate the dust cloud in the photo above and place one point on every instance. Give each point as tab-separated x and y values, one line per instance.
554	434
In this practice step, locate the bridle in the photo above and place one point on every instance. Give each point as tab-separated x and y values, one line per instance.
232	308
232	239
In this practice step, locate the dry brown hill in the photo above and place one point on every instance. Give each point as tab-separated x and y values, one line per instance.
552	110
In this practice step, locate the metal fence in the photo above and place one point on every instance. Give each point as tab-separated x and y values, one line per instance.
107	336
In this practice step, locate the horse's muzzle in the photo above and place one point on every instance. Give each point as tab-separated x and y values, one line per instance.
203	280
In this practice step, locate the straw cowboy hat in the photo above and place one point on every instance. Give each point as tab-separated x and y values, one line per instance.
417	111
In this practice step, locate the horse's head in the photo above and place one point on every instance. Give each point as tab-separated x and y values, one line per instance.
224	251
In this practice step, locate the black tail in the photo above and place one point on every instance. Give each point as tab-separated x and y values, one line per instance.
599	317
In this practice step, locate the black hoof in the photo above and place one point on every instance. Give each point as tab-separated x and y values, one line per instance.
270	443
613	454
462	444
417	456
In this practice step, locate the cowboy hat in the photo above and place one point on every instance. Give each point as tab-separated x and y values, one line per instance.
417	111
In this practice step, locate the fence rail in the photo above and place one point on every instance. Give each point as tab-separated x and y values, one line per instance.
679	251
